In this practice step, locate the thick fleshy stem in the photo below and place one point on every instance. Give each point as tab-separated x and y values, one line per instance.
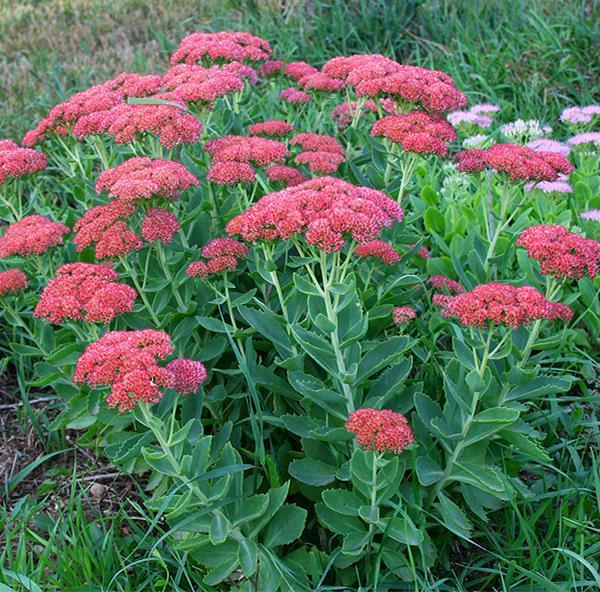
141	292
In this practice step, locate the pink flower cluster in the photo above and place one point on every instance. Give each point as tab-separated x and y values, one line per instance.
561	253
197	84
380	430
271	127
519	162
298	70
473	116
577	115
502	304
96	99
378	249
592	138
144	178
222	254
322	154
159	225
419	132
403	314
326	210
224	46
86	291
232	155
343	113
188	374
128	122
106	227
287	174
32	236
12	281
373	75
127	361
16	161
320	82
271	68
546	145
294	95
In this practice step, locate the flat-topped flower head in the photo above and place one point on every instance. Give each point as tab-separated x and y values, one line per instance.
520	163
580	115
134	85
547	145
322	163
248	149
128	122
419	132
127	361
271	127
294	95
200	85
470	117
444	284
502	304
159	225
221	254
145	178
591	215
375	75
33	235
231	173
297	70
188	375
525	130
561	253
16	162
12	281
223	46
105	227
271	68
587	140
317	143
378	249
85	291
326	211
380	430
559	186
286	174
403	314
320	82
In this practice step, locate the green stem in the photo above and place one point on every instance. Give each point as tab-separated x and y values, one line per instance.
163	261
140	291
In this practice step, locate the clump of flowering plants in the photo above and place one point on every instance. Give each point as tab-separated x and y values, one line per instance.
286	296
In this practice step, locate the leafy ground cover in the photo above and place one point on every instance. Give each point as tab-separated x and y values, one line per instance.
276	319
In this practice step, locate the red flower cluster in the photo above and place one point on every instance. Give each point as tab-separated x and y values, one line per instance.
445	284
289	175
423	133
372	75
223	254
380	431
378	249
85	291
188	375
231	173
298	70
320	81
196	84
520	162
272	127
32	236
159	225
261	151
144	178
127	122
322	153
502	304
326	210
224	46
403	314
12	281
127	361
96	99
106	227
422	253
561	253
293	95
16	161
